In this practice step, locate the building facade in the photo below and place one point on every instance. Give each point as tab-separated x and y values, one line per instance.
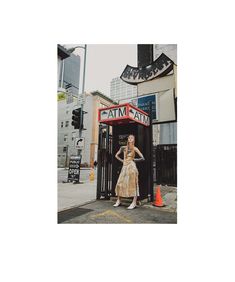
62	54
69	73
67	135
165	133
121	90
168	49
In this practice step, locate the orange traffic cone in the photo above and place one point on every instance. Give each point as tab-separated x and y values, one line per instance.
158	200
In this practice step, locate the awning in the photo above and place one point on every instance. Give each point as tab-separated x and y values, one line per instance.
122	114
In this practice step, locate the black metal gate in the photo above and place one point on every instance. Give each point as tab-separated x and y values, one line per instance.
104	181
165	164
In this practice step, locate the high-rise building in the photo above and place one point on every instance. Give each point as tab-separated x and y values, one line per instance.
62	54
121	90
70	73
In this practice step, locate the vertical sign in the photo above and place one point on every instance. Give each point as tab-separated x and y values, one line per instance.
74	168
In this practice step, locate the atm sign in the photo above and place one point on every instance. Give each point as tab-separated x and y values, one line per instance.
112	113
123	113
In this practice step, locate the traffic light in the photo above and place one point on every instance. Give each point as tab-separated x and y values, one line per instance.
76	117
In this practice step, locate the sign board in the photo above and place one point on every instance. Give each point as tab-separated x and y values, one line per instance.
122	139
163	105
143	104
167	106
122	114
61	96
79	143
74	168
160	67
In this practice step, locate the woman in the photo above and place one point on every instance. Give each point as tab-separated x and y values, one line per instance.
127	184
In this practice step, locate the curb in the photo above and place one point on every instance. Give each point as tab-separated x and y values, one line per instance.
77	206
164	208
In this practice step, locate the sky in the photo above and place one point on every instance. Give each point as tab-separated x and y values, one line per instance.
105	62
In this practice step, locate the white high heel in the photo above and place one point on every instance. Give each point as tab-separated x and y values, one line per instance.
117	204
131	207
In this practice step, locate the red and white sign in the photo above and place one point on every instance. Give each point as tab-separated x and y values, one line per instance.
123	114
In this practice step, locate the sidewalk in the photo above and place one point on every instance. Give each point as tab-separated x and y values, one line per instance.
77	204
72	195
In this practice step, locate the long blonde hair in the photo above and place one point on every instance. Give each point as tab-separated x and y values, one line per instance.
128	144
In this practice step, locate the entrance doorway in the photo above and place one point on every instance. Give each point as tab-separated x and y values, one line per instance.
112	136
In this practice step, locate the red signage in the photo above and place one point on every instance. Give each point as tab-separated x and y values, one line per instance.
124	113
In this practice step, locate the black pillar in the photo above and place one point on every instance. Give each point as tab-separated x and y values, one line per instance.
145	54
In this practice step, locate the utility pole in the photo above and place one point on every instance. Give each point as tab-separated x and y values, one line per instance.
82	98
75	161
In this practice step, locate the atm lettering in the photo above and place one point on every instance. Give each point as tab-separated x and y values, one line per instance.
122	111
110	115
115	112
136	116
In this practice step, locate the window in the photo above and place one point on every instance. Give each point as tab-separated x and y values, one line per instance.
64	149
66	123
61	124
73	135
65	138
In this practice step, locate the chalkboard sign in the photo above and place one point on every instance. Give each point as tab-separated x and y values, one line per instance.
74	168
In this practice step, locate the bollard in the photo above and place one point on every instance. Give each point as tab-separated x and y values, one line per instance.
92	175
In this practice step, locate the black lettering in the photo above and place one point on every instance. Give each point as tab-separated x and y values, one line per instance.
122	111
110	114
115	110
136	115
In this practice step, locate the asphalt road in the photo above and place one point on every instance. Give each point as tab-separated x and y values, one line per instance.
102	211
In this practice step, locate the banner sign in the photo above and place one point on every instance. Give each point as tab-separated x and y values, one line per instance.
123	113
113	113
61	96
143	103
74	168
160	67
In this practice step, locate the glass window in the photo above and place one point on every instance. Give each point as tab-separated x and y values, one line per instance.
73	135
66	123
65	138
61	124
64	149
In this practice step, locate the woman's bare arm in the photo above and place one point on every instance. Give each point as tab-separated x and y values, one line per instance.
117	155
140	154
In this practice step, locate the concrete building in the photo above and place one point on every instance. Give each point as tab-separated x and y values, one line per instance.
67	134
121	90
169	49
165	133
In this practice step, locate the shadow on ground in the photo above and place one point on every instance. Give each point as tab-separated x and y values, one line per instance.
103	212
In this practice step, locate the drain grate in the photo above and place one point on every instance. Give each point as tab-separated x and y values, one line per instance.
71	213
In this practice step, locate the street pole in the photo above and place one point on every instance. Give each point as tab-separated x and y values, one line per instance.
62	75
83	88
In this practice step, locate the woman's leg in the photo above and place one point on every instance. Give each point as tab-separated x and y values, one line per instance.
118	202
133	204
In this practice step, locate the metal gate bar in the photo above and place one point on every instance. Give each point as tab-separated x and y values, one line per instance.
166	164
104	180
